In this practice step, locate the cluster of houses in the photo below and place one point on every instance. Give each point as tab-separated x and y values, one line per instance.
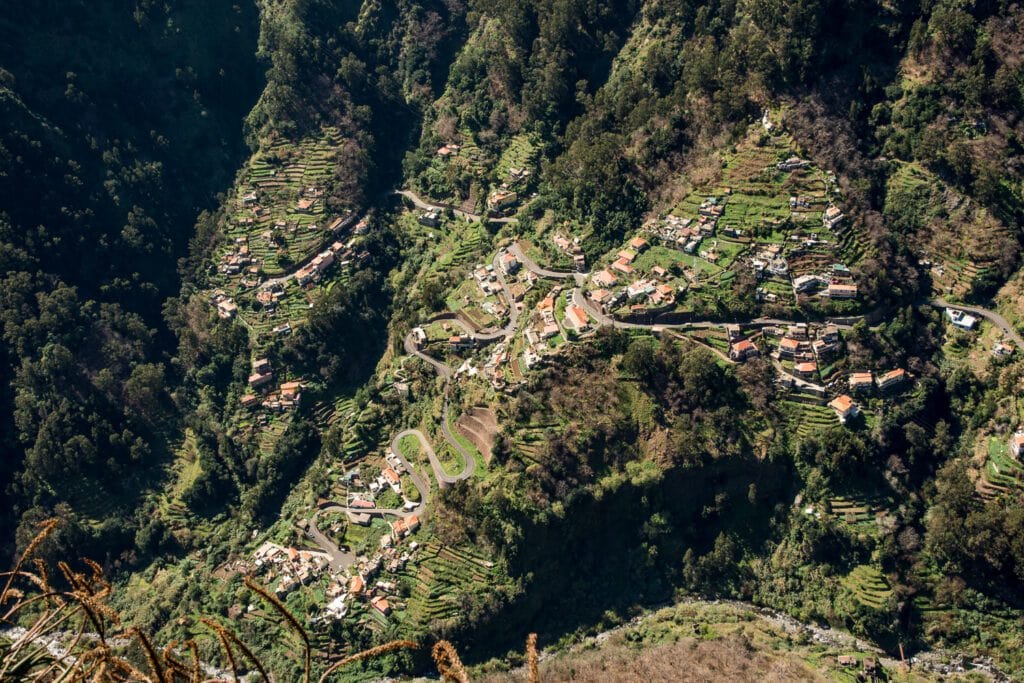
573	250
867	381
225	305
871	669
686	234
837	283
649	293
315	269
363	582
290	567
239	259
286	397
769	260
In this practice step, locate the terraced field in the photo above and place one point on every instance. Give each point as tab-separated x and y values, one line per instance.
1001	473
868	586
862	512
278	175
808	419
438	579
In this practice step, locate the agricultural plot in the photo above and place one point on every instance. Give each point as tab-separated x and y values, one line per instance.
521	154
861	512
1001	473
868	586
440	577
283	178
808	419
765	209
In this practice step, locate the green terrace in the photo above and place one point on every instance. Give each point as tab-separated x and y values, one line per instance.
439	577
861	512
278	175
868	586
1001	473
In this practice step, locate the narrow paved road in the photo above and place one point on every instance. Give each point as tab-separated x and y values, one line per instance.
340	560
281	279
421	203
993	317
412	349
534	268
443	478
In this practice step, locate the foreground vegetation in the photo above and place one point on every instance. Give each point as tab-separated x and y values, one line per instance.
625	467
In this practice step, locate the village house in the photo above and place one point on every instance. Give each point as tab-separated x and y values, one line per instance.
742	350
838	290
659	272
798	331
733	332
291	393
844	408
1001	350
502	199
792	163
430	218
1017	443
605	278
462	341
788	347
807	283
822	348
261	374
861	381
576	319
832	217
250	400
623	267
892	378
401	528
961	319
304	205
392	479
627	255
806	369
509	263
601	297
663	295
830	334
381	604
638	244
227	309
641	289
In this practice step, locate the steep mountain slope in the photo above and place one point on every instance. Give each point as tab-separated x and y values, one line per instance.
548	382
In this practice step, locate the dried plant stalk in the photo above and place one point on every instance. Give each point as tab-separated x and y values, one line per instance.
46	528
154	661
279	606
367	654
446	657
532	672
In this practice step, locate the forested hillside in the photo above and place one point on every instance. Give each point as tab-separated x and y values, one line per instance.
462	319
121	126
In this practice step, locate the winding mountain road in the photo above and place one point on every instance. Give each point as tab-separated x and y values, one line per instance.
993	317
421	203
536	269
435	462
341	559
